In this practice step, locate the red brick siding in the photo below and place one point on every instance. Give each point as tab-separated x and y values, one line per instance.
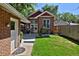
55	29
5	47
40	23
4	33
52	23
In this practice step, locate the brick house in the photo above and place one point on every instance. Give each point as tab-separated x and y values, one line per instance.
9	28
41	22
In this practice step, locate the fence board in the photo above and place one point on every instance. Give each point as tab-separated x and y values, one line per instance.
70	31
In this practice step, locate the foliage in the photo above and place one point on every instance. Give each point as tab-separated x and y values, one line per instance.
24	8
28	8
54	45
51	8
69	17
43	31
21	35
77	19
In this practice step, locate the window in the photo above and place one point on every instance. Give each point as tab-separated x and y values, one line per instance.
34	25
46	23
33	22
12	25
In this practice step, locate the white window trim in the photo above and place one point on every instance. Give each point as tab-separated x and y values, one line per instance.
49	23
35	26
33	23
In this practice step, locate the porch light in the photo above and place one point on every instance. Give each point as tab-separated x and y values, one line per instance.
8	25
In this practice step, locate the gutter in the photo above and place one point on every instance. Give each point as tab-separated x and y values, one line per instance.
13	11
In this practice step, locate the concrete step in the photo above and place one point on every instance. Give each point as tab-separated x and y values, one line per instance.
28	40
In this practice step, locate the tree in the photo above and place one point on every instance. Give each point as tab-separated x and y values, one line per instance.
77	19
69	17
51	8
24	8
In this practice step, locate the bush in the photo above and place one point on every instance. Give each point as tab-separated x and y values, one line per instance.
21	35
43	31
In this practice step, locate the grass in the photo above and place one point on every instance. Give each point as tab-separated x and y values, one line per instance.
54	45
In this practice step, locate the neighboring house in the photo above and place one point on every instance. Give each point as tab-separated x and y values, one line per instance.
41	22
9	28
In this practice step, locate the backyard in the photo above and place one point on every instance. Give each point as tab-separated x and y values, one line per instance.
55	45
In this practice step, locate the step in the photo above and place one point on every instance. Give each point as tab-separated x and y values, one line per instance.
28	39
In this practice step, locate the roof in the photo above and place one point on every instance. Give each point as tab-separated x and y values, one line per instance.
24	21
61	22
39	13
74	24
13	11
35	14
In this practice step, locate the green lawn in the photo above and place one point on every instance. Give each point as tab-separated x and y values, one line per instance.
54	45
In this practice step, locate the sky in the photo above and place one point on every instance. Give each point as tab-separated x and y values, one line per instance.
63	7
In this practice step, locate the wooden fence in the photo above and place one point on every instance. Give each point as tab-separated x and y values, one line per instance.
69	31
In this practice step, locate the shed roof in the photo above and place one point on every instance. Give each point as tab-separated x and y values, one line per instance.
13	11
37	14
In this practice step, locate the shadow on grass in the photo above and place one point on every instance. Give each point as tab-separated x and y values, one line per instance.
28	41
43	37
71	39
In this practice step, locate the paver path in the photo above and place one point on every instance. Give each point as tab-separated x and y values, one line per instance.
27	44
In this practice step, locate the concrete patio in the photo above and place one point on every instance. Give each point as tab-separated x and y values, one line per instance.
26	45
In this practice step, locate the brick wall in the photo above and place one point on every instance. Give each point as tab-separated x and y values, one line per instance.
40	23
55	29
5	47
4	33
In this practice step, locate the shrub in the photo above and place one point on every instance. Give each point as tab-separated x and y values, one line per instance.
21	35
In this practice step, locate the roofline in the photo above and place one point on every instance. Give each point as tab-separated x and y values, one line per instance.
13	11
24	21
43	13
33	13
